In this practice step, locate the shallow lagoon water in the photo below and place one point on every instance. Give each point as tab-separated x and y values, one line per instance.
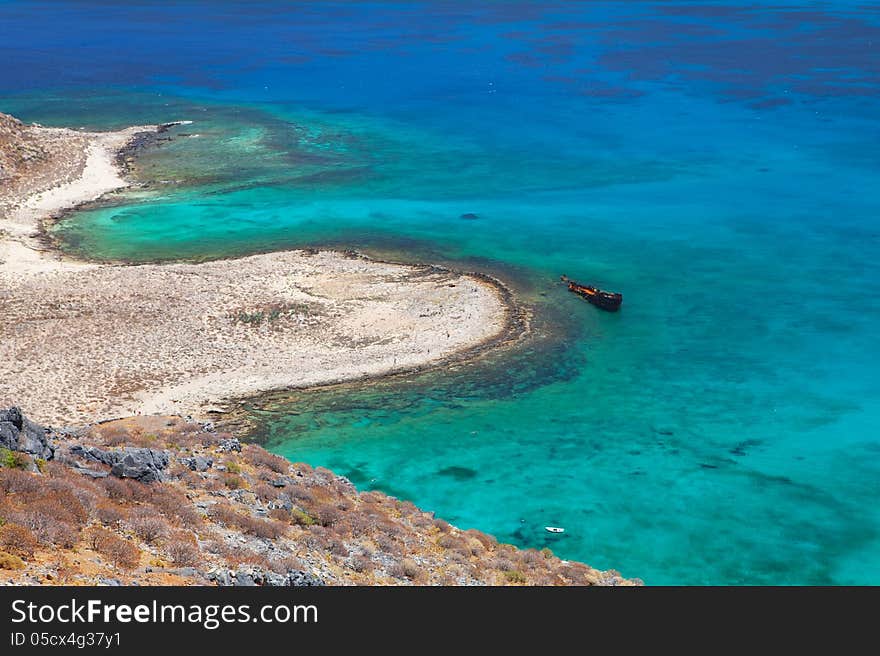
714	164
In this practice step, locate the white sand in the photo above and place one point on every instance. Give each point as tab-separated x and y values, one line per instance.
86	342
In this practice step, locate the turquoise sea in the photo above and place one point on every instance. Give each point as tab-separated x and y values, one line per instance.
717	163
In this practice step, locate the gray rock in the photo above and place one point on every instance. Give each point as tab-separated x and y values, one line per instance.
18	433
279	482
112	582
198	463
283	502
141	464
93	473
245	580
254	576
275	580
298	578
231	444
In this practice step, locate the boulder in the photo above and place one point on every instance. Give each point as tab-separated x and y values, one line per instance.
298	578
142	464
228	445
18	433
254	576
197	463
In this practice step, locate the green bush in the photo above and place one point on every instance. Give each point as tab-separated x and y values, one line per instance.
515	576
13	459
302	518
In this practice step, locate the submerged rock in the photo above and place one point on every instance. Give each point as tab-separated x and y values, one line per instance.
469	216
18	433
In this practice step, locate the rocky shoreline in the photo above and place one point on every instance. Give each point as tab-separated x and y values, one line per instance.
166	501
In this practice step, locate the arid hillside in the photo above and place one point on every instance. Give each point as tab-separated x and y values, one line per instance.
160	500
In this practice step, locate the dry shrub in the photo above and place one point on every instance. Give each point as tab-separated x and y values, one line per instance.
405	569
532	558
454	543
503	564
216	547
15	481
301	495
326	514
190	478
261	458
18	540
280	514
62	505
122	553
261	528
65	536
224	513
127	489
442	525
246	557
112	435
147	526
408	508
487	541
422	521
285	564
233	481
183	548
360	564
10	561
265	492
317	539
302	518
176	507
109	513
42	526
388	545
360	523
337	548
188	428
371	497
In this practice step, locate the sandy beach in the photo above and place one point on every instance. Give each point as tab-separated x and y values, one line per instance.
84	342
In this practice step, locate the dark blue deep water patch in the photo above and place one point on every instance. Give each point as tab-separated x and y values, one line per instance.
716	163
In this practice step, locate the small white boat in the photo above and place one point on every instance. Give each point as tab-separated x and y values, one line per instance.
554	529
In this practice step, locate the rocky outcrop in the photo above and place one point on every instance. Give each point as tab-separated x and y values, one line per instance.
255	576
197	463
17	151
141	464
229	445
18	433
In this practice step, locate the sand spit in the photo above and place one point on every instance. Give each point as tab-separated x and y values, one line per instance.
84	342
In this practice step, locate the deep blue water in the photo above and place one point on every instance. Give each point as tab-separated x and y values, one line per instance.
717	163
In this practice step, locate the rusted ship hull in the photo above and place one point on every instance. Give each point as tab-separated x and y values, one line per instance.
608	301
